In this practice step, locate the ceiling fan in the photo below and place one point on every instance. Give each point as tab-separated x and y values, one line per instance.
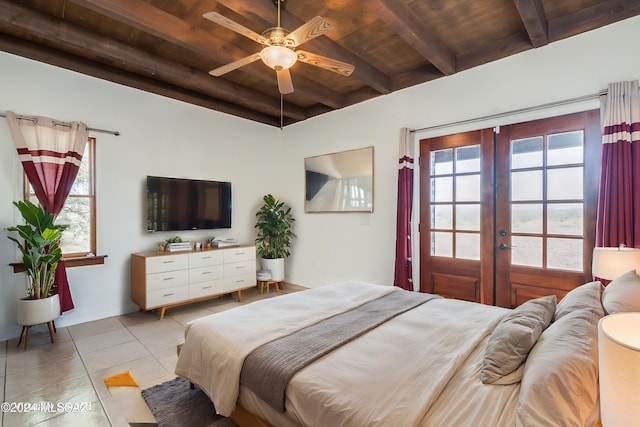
279	51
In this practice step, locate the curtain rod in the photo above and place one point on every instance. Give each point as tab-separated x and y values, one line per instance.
59	123
513	112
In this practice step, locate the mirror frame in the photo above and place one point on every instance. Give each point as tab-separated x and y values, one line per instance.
348	169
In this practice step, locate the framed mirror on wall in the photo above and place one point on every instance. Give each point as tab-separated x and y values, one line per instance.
339	182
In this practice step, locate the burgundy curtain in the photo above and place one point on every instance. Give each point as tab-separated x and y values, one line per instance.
51	154
618	218
403	275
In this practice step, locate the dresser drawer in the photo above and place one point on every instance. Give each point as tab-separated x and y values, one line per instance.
240	268
205	274
168	279
204	289
163	297
203	259
239	282
158	264
239	254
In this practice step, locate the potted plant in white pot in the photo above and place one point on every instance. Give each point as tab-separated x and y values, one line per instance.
274	223
40	255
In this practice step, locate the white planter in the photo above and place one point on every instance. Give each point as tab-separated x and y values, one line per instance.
36	311
276	266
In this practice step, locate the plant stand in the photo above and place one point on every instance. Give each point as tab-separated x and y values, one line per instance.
25	333
263	283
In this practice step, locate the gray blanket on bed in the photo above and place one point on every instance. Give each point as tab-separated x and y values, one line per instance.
268	369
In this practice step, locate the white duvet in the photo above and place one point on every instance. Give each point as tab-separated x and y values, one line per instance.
418	369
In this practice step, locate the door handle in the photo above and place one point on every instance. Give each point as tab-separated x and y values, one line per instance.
504	247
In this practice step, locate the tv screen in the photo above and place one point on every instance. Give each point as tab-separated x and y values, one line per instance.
176	204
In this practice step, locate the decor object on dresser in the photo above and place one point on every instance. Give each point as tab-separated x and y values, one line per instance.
40	255
274	223
619	358
160	280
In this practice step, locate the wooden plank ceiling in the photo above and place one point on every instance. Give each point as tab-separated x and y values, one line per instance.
168	48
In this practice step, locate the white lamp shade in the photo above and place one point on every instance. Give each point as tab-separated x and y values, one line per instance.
278	57
619	360
609	263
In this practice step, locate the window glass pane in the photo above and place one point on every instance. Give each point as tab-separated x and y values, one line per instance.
441	244
564	254
526	185
526	218
526	153
526	251
468	246
468	188
565	148
442	216
442	189
442	161
565	218
82	181
468	217
468	159
76	213
564	183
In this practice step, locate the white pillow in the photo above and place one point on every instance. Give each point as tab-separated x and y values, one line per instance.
622	294
588	295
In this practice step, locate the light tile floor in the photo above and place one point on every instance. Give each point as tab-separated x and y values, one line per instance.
72	369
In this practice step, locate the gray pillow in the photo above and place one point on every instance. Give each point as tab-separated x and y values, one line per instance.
587	296
622	294
513	339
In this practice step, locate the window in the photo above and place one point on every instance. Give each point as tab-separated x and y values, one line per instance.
79	210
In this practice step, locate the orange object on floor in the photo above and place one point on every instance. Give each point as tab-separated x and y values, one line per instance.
123	379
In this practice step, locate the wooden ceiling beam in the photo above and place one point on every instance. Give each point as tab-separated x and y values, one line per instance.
67	61
534	20
163	25
324	46
18	20
587	19
407	25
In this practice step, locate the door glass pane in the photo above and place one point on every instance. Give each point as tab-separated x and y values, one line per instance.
442	189
441	244
526	218
526	153
565	218
468	217
442	162
564	254
468	245
526	185
442	217
468	188
468	159
564	183
526	251
565	148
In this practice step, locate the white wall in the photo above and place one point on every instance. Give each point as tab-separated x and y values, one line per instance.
165	137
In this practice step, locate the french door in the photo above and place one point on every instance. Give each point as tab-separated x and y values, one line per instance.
508	216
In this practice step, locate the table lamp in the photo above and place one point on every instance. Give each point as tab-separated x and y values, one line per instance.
609	263
619	360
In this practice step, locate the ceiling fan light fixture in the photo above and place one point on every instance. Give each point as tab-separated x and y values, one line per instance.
278	57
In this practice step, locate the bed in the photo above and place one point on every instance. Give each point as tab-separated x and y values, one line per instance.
439	362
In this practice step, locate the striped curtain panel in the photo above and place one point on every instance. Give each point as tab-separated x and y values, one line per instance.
51	154
618	220
403	275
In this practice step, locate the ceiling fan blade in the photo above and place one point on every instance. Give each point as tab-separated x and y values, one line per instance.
234	26
285	85
234	65
327	63
310	29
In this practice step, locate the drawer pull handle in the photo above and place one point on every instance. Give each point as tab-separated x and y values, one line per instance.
167	262
168	278
167	295
206	272
206	257
239	281
206	287
240	267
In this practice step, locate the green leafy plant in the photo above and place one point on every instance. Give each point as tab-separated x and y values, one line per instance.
41	250
274	223
175	239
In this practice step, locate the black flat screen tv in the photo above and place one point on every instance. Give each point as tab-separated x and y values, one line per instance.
176	204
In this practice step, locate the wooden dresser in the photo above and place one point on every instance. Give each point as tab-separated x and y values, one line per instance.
160	280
